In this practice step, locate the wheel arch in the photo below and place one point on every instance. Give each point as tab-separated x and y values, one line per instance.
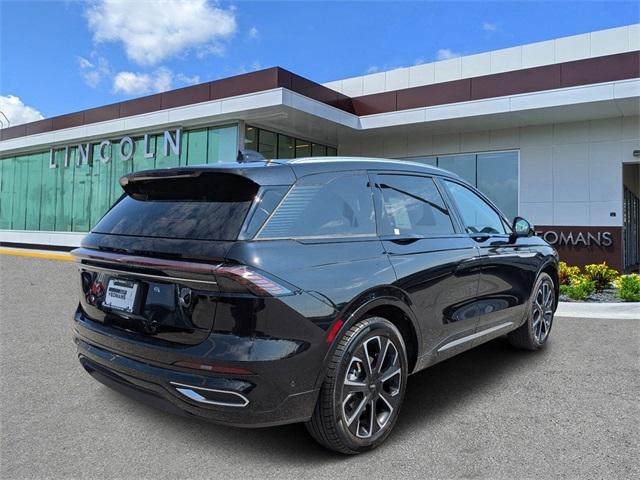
550	267
390	303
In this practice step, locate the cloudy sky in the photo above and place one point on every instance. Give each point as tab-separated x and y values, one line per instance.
61	56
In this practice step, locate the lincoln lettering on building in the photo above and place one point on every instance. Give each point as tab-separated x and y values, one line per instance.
122	149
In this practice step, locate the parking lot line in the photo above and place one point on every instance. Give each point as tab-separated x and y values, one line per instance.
36	253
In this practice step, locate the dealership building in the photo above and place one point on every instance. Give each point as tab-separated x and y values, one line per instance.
550	131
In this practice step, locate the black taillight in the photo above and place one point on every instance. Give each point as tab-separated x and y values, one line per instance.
258	283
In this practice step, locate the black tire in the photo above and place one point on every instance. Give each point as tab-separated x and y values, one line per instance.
349	382
534	333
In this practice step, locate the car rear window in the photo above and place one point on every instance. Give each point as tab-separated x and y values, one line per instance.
208	207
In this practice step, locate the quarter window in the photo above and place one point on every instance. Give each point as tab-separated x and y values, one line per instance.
412	205
324	205
477	215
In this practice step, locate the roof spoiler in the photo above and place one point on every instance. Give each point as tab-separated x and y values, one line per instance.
157	175
246	156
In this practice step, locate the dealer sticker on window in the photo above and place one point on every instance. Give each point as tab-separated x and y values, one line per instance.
121	295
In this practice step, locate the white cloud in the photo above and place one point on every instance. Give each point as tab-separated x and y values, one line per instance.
489	27
131	83
373	69
161	80
419	61
254	34
186	80
16	111
446	53
93	71
151	31
213	49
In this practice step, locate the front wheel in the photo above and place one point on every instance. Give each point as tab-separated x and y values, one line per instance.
363	389
533	334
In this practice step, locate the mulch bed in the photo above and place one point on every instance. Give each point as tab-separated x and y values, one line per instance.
609	295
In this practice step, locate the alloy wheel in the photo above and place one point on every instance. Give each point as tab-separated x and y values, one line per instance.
542	314
371	387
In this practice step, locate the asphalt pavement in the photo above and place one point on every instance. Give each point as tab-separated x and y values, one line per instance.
569	411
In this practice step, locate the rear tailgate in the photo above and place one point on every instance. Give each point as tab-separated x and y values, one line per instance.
148	266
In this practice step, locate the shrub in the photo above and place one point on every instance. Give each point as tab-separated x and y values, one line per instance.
629	286
600	274
580	288
566	273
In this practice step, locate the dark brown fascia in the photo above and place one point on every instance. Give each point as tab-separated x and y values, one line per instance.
608	68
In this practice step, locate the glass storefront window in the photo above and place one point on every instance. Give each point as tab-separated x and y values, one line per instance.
267	142
433	161
463	165
73	196
498	180
303	148
318	150
494	173
286	146
278	145
251	138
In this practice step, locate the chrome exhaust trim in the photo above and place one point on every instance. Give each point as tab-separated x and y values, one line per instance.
191	392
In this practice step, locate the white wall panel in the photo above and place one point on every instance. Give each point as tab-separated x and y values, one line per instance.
397	79
607	42
538	213
605	129
447	70
536	174
571	213
605	171
573	48
571	173
537	54
573	132
476	65
506	59
600	213
373	83
421	75
447	143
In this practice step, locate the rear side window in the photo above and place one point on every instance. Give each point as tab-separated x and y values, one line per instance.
412	205
324	205
208	207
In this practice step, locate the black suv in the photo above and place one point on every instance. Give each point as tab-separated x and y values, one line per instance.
264	293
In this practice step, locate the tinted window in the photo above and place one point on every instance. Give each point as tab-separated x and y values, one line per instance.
477	215
412	205
267	200
209	207
324	206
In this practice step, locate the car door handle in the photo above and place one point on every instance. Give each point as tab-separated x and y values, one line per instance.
480	237
402	240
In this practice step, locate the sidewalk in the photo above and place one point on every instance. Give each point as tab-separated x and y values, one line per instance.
615	311
29	252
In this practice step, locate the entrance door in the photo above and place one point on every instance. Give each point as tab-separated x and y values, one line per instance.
631	216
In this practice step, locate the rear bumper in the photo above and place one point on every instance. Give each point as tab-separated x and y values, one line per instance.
257	400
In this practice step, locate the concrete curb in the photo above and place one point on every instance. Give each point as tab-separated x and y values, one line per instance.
615	311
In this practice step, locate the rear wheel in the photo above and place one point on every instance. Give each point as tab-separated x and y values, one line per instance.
363	389
533	334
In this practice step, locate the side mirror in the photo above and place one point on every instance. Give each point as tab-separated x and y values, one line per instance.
522	227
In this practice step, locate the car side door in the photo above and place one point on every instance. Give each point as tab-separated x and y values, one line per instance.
507	264
435	262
